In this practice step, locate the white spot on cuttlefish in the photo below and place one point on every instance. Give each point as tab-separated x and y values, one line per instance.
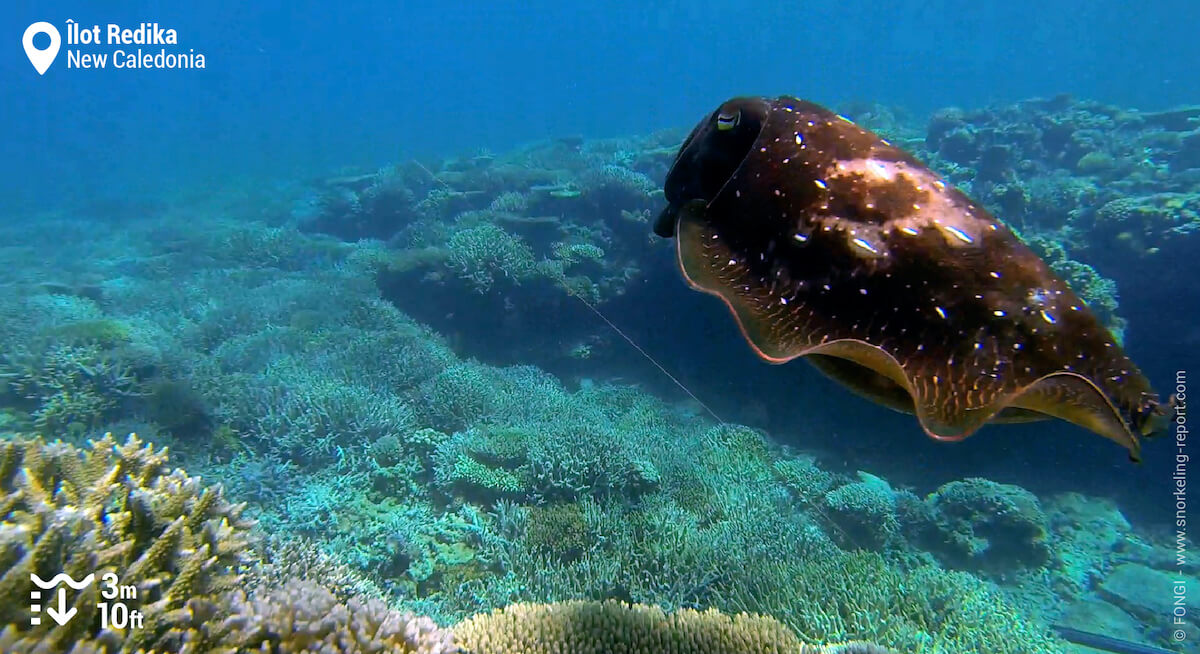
865	245
959	234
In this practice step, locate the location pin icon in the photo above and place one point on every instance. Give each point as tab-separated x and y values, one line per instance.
41	59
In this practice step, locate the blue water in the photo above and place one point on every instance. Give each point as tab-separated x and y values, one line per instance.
293	94
311	84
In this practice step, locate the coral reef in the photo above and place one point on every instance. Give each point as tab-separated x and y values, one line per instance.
989	527
598	627
112	509
347	370
300	617
864	512
115	509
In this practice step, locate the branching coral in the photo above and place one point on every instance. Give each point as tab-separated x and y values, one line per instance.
836	596
71	387
482	253
111	509
117	509
302	617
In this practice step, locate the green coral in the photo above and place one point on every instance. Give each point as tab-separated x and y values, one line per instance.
458	396
112	509
990	527
804	477
572	253
864	513
559	530
68	388
1144	224
103	332
484	252
863	596
471	473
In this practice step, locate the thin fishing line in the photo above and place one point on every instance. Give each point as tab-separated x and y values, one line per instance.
647	355
816	509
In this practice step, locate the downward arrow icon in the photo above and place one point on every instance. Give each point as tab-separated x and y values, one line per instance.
61	615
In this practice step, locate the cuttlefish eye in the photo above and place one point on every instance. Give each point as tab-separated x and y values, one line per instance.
727	121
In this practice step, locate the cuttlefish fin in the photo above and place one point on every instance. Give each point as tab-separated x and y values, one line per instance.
873	386
946	410
1076	399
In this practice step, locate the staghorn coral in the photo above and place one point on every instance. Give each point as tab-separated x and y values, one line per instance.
67	386
803	477
480	254
116	508
111	508
861	595
600	627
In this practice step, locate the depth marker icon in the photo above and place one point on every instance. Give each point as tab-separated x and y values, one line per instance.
60	614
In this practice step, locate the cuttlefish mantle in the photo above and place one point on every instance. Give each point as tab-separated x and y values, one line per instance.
827	242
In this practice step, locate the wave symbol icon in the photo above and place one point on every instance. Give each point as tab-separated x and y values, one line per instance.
61	578
62	613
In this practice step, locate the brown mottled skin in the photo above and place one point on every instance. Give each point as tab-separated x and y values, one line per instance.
828	242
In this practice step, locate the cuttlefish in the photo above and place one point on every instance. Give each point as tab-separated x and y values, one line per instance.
829	243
